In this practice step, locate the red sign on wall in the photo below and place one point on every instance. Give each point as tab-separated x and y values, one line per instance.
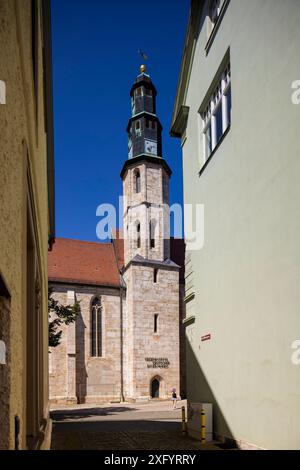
206	337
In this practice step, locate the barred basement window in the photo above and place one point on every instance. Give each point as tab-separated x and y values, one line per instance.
96	314
216	117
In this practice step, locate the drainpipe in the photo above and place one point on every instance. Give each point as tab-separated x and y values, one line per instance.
121	337
122	289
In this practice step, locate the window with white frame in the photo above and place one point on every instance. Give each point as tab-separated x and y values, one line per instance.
216	117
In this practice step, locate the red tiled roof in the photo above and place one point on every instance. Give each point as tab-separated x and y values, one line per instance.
84	262
76	261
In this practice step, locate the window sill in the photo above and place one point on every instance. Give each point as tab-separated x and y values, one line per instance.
189	297
216	26
189	320
214	151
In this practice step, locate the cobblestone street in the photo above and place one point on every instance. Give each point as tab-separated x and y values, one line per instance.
133	426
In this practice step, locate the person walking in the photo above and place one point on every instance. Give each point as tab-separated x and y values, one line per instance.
174	398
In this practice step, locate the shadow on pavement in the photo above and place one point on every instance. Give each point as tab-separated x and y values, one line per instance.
63	415
117	435
123	435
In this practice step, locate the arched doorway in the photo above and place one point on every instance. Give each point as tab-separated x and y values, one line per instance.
155	388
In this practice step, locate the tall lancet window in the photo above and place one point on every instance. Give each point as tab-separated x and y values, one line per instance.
96	315
138	235
137	181
152	226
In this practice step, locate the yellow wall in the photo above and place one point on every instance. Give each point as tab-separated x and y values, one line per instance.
19	131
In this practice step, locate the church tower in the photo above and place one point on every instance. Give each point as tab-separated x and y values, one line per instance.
146	178
151	337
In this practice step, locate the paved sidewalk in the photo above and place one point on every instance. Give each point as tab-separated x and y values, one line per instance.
122	426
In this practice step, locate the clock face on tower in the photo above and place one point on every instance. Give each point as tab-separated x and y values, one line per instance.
151	147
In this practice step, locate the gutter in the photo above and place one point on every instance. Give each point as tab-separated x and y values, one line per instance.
47	64
180	111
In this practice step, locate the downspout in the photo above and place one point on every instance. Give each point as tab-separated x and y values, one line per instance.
122	289
48	86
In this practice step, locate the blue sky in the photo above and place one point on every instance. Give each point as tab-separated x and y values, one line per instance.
95	62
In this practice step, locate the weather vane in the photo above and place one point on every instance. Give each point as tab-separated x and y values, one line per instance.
145	57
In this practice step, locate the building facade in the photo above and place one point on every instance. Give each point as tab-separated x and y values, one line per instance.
125	344
238	125
27	222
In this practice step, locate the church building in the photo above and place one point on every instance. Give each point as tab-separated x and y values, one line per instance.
127	342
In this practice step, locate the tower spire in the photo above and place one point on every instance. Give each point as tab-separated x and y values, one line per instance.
144	128
145	176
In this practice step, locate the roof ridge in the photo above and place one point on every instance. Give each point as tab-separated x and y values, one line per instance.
87	242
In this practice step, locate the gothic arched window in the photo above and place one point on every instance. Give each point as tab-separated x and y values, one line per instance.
137	181
152	226
96	323
138	235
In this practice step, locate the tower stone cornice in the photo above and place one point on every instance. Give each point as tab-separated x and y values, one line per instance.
141	115
167	264
145	159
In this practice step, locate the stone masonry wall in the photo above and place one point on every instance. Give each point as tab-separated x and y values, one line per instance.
149	204
97	378
145	299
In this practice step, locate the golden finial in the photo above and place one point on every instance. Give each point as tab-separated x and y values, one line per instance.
143	68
